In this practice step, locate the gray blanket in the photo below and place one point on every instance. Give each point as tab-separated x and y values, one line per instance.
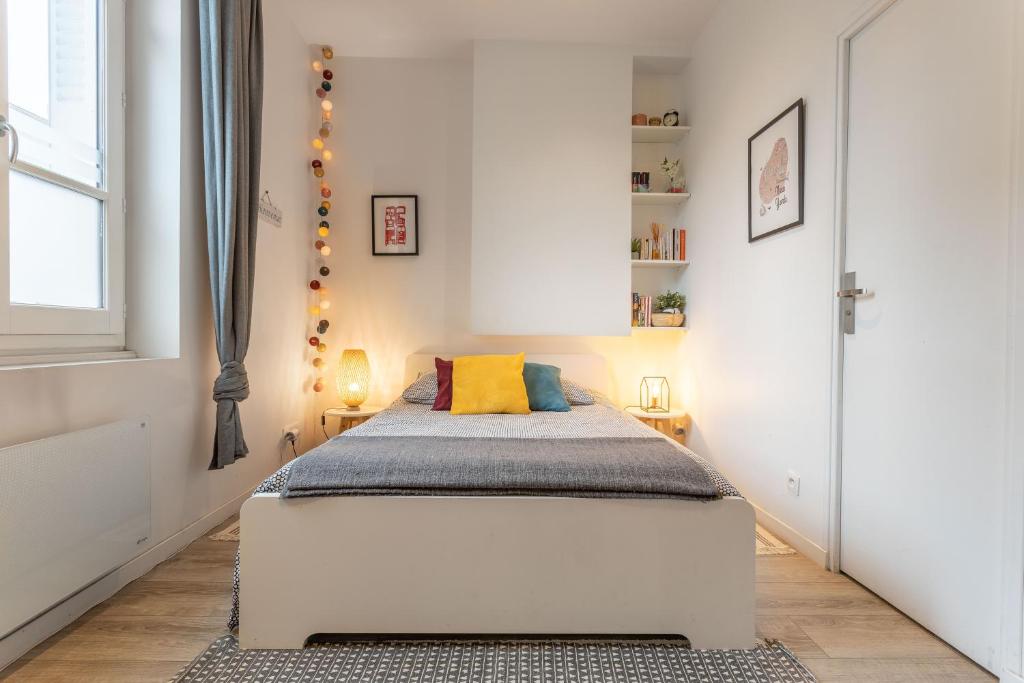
605	467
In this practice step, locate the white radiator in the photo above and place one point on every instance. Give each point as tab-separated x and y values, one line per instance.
72	508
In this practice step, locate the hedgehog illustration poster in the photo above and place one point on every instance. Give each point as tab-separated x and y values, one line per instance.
775	174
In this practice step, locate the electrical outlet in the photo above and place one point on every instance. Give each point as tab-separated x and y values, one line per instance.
291	433
793	483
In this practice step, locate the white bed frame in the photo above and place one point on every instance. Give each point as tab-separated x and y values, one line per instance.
497	565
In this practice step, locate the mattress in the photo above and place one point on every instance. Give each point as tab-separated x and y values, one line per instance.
661	461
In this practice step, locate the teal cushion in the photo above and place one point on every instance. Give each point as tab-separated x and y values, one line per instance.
544	387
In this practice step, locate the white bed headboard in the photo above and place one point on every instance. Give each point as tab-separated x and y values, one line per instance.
587	369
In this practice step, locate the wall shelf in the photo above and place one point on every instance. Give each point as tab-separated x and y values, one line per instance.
659	198
662	134
684	328
652	263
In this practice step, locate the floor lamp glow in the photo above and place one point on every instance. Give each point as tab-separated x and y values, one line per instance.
353	377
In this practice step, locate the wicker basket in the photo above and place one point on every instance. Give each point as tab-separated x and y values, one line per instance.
667	319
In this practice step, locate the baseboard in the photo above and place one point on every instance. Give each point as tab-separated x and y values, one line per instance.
1010	677
57	617
803	545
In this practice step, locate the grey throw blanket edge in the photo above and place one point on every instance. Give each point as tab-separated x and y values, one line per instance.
602	467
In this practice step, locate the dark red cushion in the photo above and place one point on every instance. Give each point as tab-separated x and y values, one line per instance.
444	384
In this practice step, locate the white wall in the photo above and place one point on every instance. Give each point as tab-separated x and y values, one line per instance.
395	306
759	352
551	206
175	393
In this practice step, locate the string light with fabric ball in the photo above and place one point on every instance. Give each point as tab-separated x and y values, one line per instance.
318	361
326	85
318	386
323	232
325	304
322	327
322	211
314	285
327	106
321	347
325	271
328	155
318	172
318	143
326	114
325	204
317	65
325	132
328	75
321	93
319	244
316	163
314	341
327	51
314	311
325	250
325	191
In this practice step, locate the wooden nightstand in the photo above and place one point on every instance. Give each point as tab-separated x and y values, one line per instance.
674	424
347	419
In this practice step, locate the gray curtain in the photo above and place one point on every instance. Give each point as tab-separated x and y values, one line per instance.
231	49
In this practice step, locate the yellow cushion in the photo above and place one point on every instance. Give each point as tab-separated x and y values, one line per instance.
489	384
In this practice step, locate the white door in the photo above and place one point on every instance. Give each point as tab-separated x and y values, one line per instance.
928	173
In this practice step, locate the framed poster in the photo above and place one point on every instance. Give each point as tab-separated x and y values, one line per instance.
395	225
775	174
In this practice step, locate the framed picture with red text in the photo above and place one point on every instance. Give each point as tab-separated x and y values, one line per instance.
395	228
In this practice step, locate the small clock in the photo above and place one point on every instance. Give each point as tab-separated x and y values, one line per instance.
671	118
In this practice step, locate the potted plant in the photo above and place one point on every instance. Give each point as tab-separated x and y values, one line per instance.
634	248
671	304
671	171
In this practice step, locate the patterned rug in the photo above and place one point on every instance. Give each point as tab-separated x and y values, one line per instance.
232	532
766	543
494	662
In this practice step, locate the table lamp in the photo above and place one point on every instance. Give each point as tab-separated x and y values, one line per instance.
353	377
655	396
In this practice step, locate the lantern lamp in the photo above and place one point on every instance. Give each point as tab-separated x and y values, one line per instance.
353	377
655	396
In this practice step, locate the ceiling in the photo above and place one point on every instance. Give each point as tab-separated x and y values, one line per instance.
446	28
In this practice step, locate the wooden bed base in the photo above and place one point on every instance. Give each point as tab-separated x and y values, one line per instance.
496	565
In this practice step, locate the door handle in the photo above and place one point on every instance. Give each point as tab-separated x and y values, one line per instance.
847	294
5	126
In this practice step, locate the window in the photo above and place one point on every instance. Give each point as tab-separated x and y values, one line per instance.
61	201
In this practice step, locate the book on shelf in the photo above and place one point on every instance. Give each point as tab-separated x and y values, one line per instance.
641	310
669	246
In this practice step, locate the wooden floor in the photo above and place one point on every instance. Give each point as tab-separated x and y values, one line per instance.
149	630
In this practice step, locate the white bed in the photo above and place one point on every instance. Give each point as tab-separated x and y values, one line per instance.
497	565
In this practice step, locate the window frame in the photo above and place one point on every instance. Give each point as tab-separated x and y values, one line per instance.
41	329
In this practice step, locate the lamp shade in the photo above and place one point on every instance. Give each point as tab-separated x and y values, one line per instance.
353	377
